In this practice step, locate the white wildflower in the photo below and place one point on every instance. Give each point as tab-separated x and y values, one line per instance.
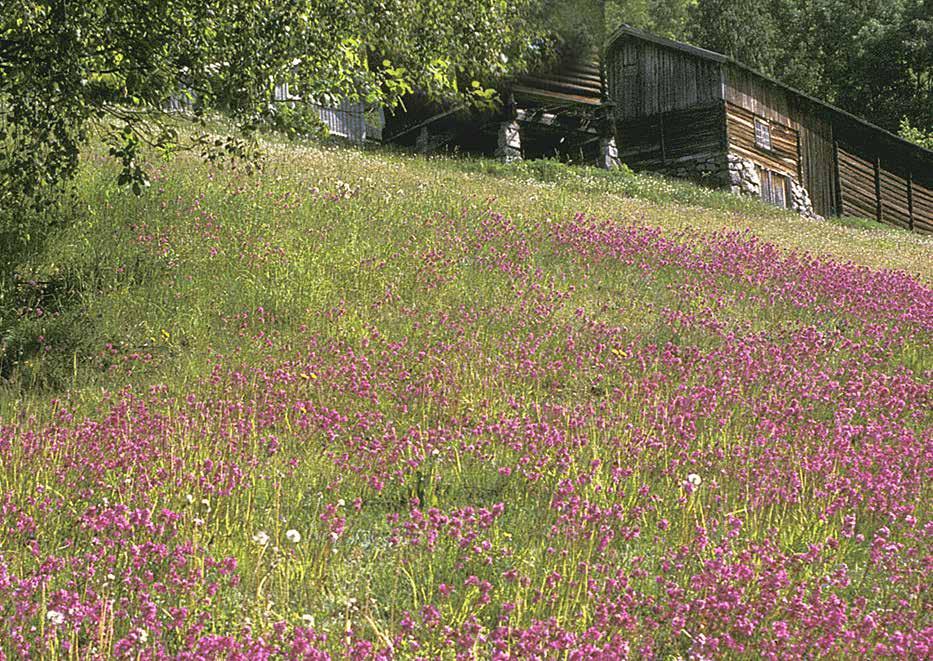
694	479
261	538
308	620
190	499
293	536
55	617
143	635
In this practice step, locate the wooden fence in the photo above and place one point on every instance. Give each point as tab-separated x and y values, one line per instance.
889	191
347	119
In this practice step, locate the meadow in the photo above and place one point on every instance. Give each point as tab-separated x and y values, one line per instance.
368	405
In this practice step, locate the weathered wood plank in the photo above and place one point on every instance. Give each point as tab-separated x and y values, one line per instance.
846	165
666	79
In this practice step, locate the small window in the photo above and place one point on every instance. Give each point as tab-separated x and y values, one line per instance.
762	134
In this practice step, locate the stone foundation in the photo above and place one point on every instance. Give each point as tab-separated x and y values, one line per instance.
800	200
737	174
743	176
709	169
744	179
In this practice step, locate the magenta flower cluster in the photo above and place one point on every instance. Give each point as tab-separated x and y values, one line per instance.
631	444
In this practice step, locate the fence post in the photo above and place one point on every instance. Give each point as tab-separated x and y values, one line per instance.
836	178
878	213
910	200
663	146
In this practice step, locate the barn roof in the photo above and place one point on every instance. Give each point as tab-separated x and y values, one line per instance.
712	56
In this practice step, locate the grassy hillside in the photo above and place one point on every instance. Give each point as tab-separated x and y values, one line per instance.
363	403
205	244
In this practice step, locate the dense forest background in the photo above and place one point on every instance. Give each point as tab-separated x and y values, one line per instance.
873	58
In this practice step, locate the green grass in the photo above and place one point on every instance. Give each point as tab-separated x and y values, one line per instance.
217	267
857	222
97	284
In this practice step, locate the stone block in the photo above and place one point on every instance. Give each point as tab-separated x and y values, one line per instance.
608	154
509	146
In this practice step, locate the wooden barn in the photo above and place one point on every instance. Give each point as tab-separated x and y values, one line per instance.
694	113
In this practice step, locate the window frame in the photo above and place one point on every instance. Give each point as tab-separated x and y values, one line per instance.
763	137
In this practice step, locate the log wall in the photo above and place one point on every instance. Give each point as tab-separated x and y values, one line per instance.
922	200
816	161
783	155
814	166
664	138
744	89
576	79
871	176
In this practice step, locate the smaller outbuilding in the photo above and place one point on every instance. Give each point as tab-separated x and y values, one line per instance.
555	111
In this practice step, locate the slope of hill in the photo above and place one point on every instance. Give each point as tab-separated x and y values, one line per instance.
370	405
